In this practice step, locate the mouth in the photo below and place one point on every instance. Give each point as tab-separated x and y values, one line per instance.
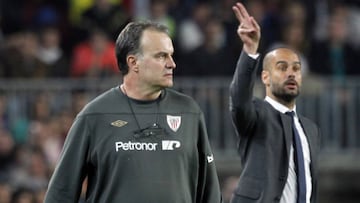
291	84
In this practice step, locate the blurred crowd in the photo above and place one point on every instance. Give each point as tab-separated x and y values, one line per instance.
43	38
75	39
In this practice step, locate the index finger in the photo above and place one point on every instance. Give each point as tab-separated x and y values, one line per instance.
237	13
243	10
240	12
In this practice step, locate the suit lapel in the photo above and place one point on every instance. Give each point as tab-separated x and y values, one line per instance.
311	139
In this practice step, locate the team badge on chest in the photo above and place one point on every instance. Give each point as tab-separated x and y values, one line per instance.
173	122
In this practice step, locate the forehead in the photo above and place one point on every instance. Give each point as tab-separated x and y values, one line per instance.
284	54
156	41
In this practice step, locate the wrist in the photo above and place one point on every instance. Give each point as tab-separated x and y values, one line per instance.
250	50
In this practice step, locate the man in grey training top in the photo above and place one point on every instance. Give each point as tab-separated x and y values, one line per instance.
140	141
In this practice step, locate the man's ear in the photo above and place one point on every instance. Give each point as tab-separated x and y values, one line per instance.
265	77
131	60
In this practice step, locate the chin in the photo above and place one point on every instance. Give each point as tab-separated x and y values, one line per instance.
162	86
169	84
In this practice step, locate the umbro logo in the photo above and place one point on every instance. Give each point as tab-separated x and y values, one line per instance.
118	123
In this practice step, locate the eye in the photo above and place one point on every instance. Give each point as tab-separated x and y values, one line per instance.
282	66
161	56
297	67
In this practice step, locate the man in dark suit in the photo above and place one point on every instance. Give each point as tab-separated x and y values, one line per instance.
278	147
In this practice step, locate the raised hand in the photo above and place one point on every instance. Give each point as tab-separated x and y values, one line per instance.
248	30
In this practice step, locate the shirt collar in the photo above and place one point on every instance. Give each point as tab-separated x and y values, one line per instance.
280	107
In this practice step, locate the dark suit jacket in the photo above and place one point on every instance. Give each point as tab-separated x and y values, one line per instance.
265	137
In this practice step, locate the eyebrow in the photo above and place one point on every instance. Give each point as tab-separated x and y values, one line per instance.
281	62
161	53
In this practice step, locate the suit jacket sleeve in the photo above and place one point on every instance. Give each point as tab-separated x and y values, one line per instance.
241	93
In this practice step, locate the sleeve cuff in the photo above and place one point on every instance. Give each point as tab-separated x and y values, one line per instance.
254	56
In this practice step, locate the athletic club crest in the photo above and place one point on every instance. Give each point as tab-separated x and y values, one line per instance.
173	122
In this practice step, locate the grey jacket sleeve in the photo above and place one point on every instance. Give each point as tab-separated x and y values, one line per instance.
208	190
66	182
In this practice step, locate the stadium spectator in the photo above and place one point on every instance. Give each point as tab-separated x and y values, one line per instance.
52	140
5	192
94	58
193	26
40	195
4	117
293	35
37	170
159	12
108	16
23	195
7	154
211	54
334	55
20	57
51	53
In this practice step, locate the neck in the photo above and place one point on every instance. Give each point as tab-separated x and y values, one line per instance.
289	104
140	94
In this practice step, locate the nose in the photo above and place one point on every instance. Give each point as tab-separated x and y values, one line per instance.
291	72
170	63
291	75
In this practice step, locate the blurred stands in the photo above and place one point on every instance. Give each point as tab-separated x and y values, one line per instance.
41	90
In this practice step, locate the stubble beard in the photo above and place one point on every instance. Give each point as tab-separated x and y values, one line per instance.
285	95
